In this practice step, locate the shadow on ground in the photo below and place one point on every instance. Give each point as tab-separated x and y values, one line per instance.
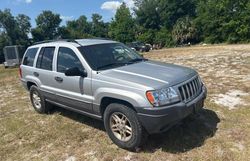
98	124
187	135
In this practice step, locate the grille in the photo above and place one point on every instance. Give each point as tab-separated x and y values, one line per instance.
190	90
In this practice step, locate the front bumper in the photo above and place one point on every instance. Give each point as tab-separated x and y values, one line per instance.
156	120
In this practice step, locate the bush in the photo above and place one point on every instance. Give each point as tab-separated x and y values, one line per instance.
164	38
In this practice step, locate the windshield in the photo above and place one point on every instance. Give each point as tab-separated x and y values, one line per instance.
106	56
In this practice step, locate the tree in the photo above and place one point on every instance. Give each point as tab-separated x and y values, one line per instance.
147	14
146	35
8	25
163	37
64	33
122	27
184	31
171	10
98	27
24	27
13	30
79	28
47	26
224	21
3	42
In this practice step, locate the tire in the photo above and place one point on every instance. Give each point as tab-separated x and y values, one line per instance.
138	134
40	106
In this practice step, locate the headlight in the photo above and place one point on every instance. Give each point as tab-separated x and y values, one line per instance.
163	96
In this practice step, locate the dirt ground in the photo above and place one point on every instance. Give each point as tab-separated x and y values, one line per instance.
220	132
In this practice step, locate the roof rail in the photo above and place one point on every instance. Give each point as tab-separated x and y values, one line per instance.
64	40
99	38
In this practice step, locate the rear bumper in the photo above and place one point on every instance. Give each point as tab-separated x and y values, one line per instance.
156	120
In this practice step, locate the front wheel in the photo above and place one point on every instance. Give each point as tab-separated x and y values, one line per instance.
123	126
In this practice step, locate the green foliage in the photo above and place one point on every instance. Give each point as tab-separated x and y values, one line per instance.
163	38
172	10
224	21
122	27
79	28
98	27
47	26
13	30
23	29
3	42
147	36
148	15
8	25
184	31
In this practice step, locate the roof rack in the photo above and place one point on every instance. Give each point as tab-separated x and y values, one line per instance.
64	40
99	38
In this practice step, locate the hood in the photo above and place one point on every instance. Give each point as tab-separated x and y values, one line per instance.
151	74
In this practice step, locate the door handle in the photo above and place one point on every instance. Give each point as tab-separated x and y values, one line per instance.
58	79
36	74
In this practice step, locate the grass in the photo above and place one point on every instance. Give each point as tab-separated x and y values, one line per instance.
216	134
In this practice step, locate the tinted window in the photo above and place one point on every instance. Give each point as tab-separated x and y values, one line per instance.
30	56
45	58
67	59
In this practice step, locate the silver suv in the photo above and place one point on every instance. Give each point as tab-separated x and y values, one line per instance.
109	81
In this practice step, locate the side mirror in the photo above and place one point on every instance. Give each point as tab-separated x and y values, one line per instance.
75	71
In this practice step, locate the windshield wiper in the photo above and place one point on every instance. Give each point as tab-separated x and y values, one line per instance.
137	60
113	65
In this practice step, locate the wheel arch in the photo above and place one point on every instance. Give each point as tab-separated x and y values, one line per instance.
30	83
105	101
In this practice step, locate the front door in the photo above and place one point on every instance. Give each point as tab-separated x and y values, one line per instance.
72	91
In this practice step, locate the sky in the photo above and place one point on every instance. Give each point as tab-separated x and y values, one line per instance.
68	9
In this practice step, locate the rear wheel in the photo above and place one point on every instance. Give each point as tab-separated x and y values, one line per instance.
38	100
123	126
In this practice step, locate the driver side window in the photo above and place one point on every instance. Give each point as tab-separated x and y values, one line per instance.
67	59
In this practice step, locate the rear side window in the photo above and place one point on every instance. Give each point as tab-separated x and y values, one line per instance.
67	59
30	56
45	58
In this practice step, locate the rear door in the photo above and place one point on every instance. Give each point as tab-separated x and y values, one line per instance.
44	71
72	91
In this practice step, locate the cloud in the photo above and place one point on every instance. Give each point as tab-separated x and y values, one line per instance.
28	1
114	5
111	5
67	18
16	2
130	3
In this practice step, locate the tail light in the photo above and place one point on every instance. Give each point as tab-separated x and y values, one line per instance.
20	72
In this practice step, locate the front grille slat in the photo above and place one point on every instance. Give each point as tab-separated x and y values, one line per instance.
190	89
196	84
194	87
183	93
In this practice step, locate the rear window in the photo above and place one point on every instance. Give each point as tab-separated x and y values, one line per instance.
45	58
30	56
